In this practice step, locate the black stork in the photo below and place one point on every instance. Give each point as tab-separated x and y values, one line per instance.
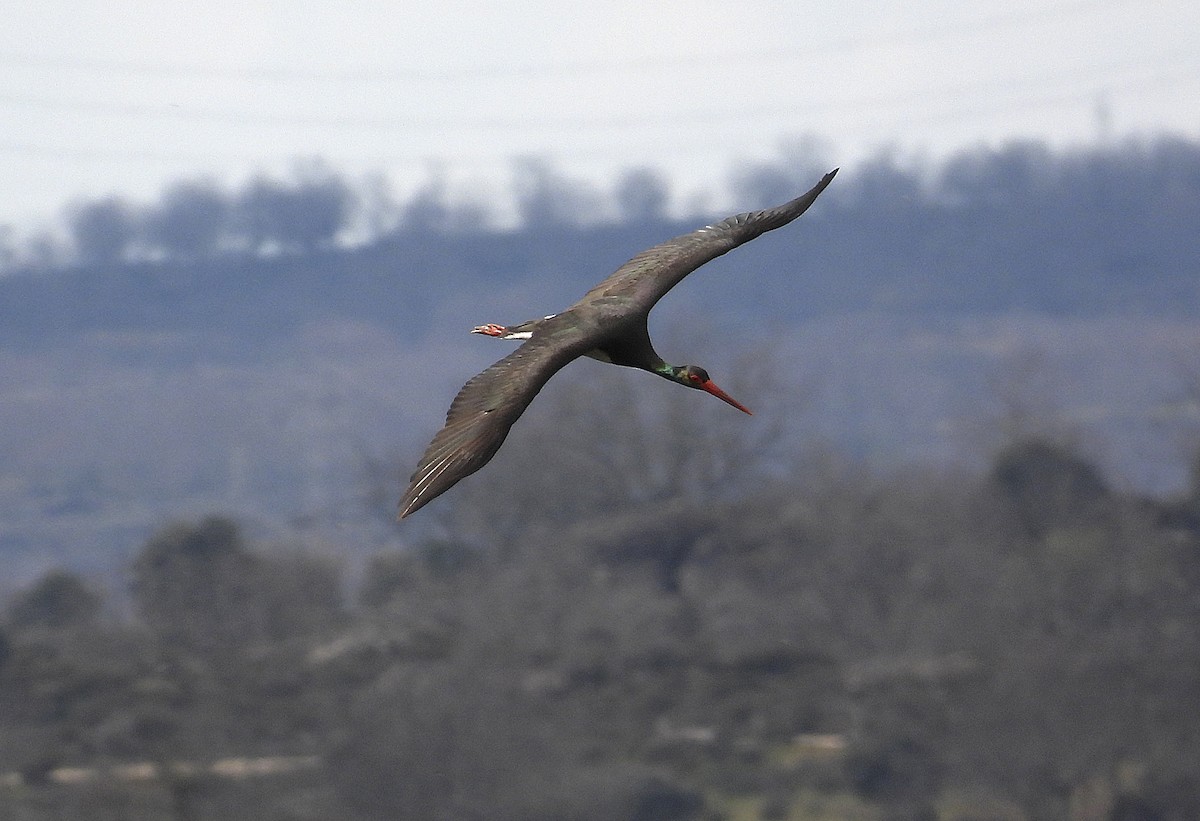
608	323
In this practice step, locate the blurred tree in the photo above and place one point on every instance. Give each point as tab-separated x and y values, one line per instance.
885	184
322	205
1048	484
297	593
432	211
1014	175
43	251
102	230
380	213
546	199
59	599
258	214
189	221
303	215
389	575
194	586
1183	511
469	743
201	587
642	195
427	211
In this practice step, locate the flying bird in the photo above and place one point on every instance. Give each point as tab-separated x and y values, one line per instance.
608	323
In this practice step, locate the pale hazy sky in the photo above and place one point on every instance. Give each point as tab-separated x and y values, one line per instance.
98	97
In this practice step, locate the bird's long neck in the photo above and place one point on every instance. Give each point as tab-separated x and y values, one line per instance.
667	370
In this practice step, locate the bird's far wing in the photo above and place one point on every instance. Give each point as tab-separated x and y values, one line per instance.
653	272
483	412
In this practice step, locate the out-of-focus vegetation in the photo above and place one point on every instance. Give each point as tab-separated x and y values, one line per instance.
644	608
640	631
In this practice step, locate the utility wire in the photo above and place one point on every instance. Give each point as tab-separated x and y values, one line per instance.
553	70
706	144
1178	67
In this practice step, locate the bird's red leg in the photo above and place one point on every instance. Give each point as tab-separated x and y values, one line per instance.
490	329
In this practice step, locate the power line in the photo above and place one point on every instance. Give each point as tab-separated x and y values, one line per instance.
991	106
552	70
1170	68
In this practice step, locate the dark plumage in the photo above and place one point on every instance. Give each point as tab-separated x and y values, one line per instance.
608	323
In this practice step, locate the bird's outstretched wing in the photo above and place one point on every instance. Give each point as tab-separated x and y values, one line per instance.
486	408
649	275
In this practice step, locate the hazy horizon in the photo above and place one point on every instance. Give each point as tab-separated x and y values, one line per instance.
98	100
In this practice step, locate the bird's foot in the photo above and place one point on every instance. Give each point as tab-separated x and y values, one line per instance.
490	329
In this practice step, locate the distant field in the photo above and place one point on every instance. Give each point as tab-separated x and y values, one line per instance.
104	440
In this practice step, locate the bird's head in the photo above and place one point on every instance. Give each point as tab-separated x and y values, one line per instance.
696	377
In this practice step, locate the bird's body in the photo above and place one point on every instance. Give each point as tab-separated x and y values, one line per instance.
608	323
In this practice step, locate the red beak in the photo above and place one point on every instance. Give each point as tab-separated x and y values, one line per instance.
712	388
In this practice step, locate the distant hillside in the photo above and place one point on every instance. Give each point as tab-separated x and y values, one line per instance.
1020	229
155	382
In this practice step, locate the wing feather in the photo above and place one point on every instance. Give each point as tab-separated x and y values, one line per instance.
649	275
484	411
